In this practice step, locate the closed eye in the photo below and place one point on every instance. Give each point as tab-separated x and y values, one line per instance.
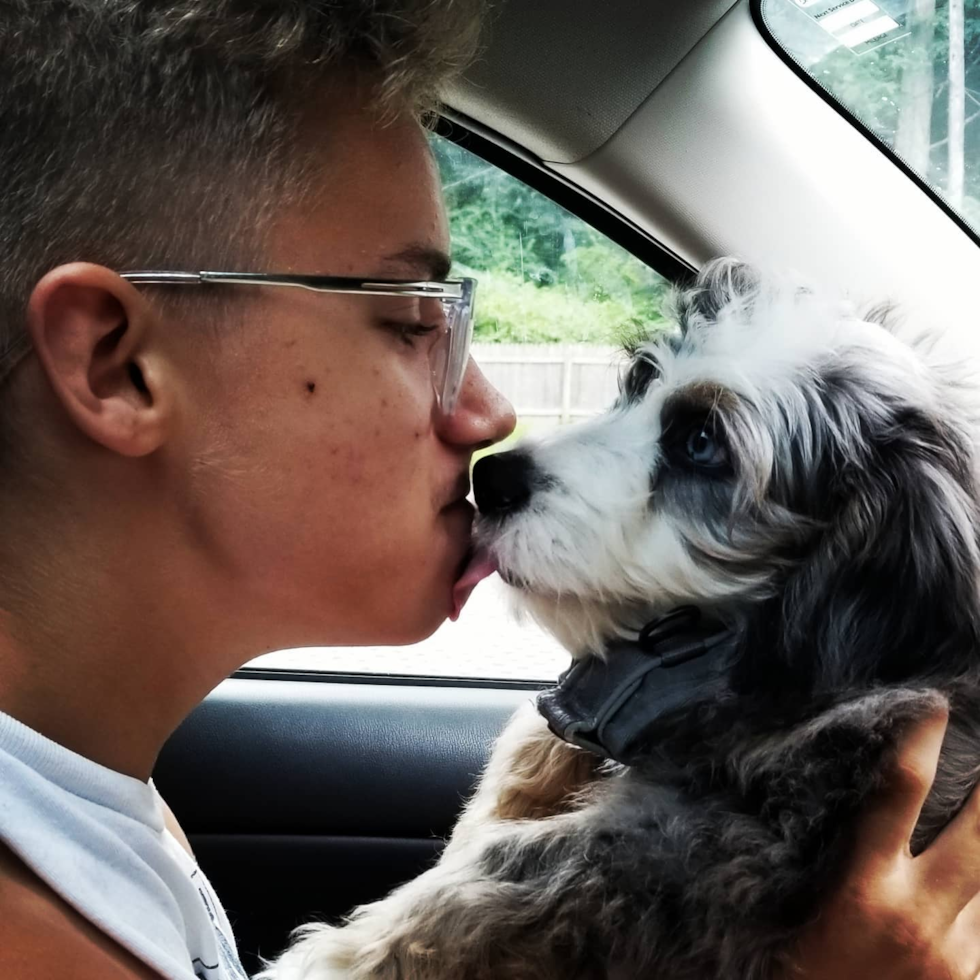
408	333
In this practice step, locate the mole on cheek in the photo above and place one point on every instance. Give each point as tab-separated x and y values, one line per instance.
311	386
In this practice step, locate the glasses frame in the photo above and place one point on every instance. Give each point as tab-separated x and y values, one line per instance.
457	294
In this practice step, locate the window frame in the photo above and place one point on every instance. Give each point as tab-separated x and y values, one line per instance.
520	165
383	679
758	16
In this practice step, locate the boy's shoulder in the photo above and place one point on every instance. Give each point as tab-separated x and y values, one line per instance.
42	936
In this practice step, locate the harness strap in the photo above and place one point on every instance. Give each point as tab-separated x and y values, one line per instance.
604	704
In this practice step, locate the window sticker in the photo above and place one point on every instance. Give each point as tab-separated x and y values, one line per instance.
859	25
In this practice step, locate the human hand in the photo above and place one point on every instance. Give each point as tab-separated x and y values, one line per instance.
899	917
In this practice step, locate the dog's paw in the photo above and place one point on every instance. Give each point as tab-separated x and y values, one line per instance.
843	754
884	715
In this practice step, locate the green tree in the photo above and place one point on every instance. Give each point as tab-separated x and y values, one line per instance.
919	92
545	275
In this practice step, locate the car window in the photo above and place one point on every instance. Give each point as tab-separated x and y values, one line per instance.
555	300
908	70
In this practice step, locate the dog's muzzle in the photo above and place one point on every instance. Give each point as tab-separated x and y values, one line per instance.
606	705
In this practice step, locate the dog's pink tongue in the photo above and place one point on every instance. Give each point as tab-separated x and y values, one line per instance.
479	567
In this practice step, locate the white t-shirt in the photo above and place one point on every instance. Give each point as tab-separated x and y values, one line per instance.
98	839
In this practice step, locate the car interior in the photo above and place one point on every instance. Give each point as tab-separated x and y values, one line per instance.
681	131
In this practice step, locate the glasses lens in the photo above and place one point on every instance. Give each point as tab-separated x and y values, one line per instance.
439	359
449	380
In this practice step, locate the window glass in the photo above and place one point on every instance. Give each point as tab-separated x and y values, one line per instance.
909	70
554	301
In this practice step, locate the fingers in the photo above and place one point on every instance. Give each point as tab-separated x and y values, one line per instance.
954	859
887	824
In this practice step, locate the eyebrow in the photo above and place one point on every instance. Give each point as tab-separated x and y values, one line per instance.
432	262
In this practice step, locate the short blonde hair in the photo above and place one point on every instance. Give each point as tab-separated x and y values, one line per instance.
140	133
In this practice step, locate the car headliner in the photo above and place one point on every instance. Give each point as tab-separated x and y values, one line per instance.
682	119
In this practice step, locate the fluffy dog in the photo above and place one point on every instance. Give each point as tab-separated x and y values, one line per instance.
808	480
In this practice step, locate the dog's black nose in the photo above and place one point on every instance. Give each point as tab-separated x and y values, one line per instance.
502	482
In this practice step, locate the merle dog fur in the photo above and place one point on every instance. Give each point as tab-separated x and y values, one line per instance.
707	858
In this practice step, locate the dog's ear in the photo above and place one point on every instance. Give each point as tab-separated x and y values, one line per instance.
721	283
890	591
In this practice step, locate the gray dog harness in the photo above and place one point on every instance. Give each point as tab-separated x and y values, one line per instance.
604	705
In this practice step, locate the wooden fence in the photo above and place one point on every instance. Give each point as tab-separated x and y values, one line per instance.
552	382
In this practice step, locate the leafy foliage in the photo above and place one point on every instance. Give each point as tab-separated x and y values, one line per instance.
544	275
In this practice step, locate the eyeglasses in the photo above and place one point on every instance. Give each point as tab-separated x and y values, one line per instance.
450	352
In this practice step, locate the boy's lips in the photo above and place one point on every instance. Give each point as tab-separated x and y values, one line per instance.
481	565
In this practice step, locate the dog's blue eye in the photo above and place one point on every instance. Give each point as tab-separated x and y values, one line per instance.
703	449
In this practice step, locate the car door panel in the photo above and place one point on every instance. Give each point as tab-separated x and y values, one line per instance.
304	798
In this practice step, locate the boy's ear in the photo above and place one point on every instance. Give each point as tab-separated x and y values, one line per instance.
92	333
